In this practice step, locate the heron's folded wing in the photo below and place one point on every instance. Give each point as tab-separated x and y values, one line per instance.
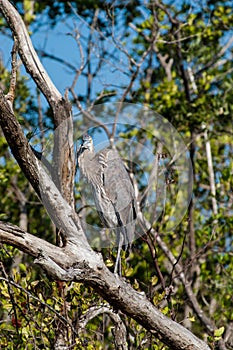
119	189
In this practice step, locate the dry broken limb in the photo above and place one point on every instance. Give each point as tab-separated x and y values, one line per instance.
76	261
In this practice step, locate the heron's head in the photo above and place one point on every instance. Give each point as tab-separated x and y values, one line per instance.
87	143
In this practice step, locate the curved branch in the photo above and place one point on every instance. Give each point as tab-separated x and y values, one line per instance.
63	156
60	212
75	263
119	331
28	243
18	143
28	54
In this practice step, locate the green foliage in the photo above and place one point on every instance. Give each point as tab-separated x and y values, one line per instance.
195	95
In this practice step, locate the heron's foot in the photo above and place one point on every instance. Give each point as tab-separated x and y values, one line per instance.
117	268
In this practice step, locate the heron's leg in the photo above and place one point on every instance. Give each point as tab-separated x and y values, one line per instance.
117	268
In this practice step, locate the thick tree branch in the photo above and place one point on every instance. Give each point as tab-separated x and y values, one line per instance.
18	143
27	52
70	264
30	244
62	214
63	156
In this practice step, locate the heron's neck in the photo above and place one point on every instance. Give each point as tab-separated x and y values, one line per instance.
89	153
85	162
90	167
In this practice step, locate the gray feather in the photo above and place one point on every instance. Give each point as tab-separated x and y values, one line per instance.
112	188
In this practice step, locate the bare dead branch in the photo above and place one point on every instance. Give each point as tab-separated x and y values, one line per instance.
119	329
88	115
27	52
211	172
70	264
166	63
30	244
18	143
63	156
67	64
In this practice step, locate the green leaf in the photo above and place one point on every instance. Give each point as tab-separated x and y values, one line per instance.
219	332
192	319
22	267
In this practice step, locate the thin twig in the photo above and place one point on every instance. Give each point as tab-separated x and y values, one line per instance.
62	318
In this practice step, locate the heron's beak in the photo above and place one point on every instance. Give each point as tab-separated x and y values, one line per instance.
86	144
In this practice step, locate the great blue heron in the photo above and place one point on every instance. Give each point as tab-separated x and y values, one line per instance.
112	190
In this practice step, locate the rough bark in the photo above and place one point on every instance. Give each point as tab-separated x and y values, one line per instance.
18	143
63	157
